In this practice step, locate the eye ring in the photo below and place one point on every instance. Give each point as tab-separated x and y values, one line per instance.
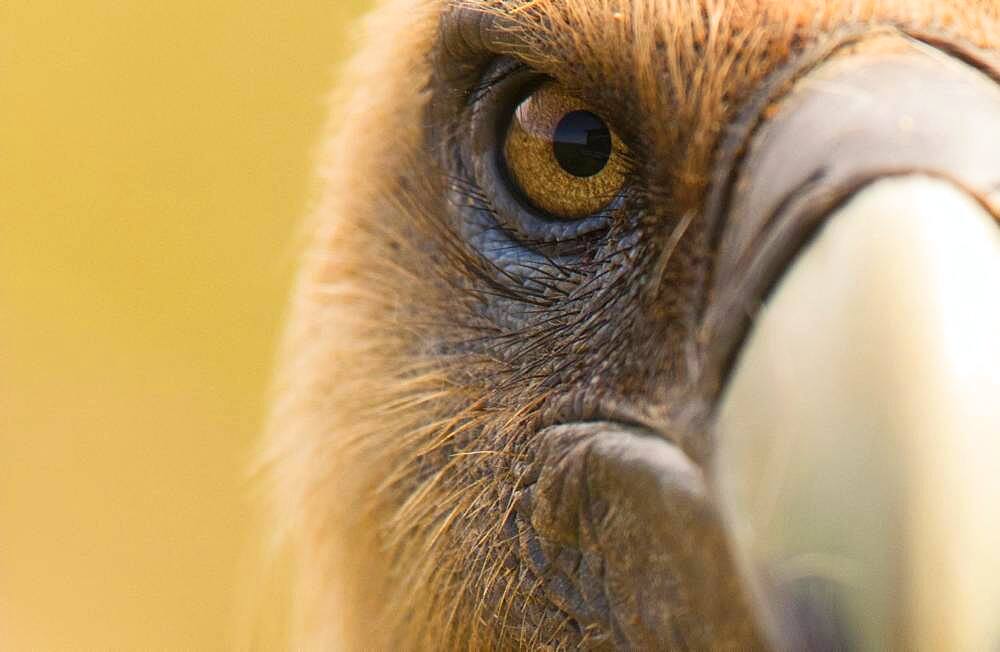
492	109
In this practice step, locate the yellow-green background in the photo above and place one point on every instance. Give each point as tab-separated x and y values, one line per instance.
155	160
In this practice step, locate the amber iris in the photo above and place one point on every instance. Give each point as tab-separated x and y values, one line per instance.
562	155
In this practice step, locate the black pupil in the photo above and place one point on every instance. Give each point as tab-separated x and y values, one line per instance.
582	144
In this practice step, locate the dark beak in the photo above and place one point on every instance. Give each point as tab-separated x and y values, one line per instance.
856	332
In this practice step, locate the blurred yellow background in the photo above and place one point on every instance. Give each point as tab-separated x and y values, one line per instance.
155	161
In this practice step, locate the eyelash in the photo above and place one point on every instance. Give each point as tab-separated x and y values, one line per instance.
481	90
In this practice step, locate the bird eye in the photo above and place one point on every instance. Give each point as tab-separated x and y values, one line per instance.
563	157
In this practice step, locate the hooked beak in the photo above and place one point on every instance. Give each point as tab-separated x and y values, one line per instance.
857	462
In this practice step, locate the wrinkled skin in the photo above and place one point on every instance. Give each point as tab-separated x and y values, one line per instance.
490	441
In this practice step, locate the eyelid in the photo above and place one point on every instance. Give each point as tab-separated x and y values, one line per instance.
498	72
468	33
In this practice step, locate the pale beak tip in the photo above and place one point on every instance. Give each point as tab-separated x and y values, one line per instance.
859	436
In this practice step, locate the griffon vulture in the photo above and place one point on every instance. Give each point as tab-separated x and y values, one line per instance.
652	324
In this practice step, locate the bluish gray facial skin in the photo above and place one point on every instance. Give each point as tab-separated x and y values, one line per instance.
836	129
582	470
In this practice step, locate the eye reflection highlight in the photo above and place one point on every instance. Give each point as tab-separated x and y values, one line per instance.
563	158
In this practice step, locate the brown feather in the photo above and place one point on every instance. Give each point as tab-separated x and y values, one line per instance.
395	455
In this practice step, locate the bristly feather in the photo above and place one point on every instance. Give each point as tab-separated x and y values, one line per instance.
398	446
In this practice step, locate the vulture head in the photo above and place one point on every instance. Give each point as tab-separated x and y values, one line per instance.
652	324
